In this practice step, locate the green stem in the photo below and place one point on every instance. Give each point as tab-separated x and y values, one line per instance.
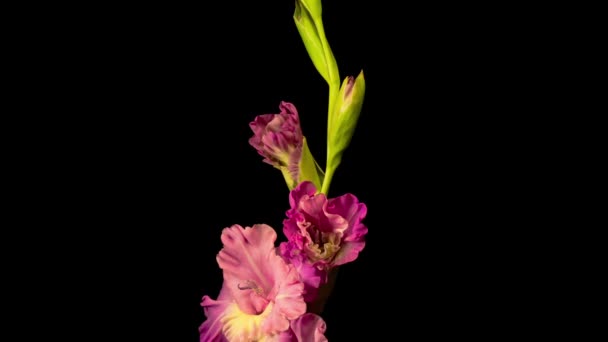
332	67
329	174
334	89
288	178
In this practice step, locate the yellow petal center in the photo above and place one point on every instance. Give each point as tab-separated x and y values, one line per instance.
241	327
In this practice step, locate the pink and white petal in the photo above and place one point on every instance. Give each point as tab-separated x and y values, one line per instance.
309	328
275	323
288	300
245	258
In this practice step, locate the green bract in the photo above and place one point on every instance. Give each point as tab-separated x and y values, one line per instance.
309	169
310	27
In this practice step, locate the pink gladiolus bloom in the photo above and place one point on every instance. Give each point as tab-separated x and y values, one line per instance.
322	233
261	298
278	138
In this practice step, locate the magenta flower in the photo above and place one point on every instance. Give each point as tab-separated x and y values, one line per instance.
261	298
312	276
278	138
308	327
322	233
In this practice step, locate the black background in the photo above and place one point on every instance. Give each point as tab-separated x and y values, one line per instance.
163	164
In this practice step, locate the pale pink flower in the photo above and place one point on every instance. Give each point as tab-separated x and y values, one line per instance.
261	298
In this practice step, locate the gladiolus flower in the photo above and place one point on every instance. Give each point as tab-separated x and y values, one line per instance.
261	296
322	233
278	138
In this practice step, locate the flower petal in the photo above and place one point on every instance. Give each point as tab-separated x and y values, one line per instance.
353	239
278	138
285	336
240	326
303	189
288	299
348	207
329	231
259	123
290	226
349	251
309	328
287	107
312	208
244	260
311	276
211	329
259	280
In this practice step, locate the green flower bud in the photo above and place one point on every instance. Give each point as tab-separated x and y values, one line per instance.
307	17
313	7
344	117
310	36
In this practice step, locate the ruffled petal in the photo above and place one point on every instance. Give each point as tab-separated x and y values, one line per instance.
311	276
348	207
244	259
267	291
303	189
288	297
309	328
278	138
329	232
211	329
349	251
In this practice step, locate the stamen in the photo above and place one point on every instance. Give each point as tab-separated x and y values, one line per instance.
251	285
247	287
317	238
